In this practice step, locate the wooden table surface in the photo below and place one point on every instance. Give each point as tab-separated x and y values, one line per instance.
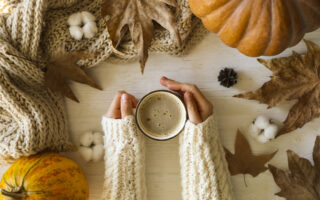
200	66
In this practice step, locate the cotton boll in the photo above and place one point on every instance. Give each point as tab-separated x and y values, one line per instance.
97	153
75	19
262	122
253	131
76	32
271	131
90	29
86	139
87	17
262	138
86	153
97	138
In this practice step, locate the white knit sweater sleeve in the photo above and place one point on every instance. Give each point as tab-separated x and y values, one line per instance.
204	170
124	160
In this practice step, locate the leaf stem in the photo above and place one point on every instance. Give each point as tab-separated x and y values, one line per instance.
244	180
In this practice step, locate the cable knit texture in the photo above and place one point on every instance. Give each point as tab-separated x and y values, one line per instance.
32	118
204	170
124	160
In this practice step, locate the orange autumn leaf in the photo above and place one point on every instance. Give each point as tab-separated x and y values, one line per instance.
243	161
302	182
62	66
294	77
139	16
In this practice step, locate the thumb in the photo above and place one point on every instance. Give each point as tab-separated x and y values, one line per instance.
126	105
193	112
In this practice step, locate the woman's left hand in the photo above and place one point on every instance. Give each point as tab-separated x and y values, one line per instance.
121	105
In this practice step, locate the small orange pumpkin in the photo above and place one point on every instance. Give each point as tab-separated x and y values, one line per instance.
259	27
49	176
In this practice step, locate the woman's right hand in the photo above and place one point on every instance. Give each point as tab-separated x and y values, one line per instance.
199	108
121	105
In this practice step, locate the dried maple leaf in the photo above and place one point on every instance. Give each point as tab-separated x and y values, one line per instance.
63	66
138	15
243	161
294	77
303	181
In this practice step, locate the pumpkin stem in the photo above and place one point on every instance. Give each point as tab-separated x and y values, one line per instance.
20	195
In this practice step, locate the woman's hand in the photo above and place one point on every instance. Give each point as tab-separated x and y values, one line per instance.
121	105
199	108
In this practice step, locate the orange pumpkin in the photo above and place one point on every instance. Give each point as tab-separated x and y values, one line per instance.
259	27
48	176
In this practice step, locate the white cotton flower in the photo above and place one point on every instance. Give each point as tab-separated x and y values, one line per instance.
86	139
262	129
86	153
91	146
87	17
262	138
90	29
82	23
97	138
253	130
76	32
262	122
271	131
98	151
75	19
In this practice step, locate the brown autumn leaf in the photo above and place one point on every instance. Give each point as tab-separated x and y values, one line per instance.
62	66
243	161
139	16
303	180
294	77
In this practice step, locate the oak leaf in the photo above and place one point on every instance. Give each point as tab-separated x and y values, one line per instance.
294	77
243	161
303	180
62	66
139	16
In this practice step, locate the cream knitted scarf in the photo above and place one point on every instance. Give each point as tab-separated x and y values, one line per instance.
32	118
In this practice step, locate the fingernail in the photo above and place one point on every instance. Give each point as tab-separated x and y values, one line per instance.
188	95
125	97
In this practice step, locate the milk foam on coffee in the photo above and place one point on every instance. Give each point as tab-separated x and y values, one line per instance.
161	115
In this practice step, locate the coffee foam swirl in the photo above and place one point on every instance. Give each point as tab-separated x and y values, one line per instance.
161	115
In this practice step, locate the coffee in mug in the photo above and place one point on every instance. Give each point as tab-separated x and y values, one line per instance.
161	115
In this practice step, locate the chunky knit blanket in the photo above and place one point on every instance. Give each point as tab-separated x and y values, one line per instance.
32	118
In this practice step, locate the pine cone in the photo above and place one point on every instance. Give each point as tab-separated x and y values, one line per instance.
227	77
